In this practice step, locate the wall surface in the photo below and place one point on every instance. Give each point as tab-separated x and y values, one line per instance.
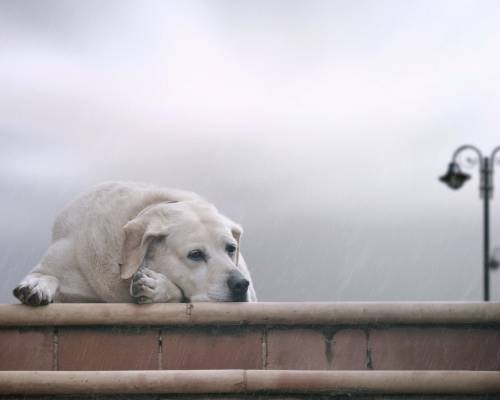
261	347
303	337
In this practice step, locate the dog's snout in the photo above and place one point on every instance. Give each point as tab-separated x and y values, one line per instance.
238	285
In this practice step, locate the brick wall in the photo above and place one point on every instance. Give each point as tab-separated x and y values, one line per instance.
374	346
352	338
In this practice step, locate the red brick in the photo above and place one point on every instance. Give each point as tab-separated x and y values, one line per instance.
349	350
435	349
296	349
26	349
108	349
228	348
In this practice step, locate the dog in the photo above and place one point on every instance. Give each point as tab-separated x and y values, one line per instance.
130	242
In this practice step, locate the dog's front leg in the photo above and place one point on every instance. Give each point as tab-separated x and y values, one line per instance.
37	289
152	287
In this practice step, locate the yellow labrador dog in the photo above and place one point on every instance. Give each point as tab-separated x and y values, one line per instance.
130	242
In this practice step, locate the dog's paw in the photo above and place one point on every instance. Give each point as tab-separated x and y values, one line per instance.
151	287
34	293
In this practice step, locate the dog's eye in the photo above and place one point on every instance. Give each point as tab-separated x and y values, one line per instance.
230	248
196	255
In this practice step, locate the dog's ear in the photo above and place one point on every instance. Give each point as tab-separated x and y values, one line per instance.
138	234
237	232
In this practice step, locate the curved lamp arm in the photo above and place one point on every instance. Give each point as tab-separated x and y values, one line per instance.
469	147
495	151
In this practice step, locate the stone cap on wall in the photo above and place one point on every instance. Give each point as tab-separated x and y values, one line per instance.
237	382
346	313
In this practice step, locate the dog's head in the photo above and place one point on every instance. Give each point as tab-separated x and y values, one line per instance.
192	244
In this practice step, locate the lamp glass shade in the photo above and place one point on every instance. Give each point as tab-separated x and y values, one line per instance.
454	177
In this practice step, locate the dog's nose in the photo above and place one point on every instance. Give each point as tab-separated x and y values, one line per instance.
238	285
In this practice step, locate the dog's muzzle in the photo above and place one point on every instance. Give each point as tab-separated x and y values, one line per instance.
238	286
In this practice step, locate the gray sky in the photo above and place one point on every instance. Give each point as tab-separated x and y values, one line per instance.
321	126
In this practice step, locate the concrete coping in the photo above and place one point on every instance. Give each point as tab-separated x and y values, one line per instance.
247	381
353	313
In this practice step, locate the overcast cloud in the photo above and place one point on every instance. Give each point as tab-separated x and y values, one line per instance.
321	126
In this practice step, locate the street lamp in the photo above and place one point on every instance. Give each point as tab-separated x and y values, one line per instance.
455	179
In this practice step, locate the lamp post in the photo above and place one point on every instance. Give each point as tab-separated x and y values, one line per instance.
455	179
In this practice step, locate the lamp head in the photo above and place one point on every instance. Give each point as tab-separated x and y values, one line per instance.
454	177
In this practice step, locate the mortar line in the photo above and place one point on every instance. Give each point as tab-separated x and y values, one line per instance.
264	348
329	336
160	349
369	361
55	349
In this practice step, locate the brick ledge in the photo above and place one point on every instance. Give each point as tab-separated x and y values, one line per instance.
355	313
248	381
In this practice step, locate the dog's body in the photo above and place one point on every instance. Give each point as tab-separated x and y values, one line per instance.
173	244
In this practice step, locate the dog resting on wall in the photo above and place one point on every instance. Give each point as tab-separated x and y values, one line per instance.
130	242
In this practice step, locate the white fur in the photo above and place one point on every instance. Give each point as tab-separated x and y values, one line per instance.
119	231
